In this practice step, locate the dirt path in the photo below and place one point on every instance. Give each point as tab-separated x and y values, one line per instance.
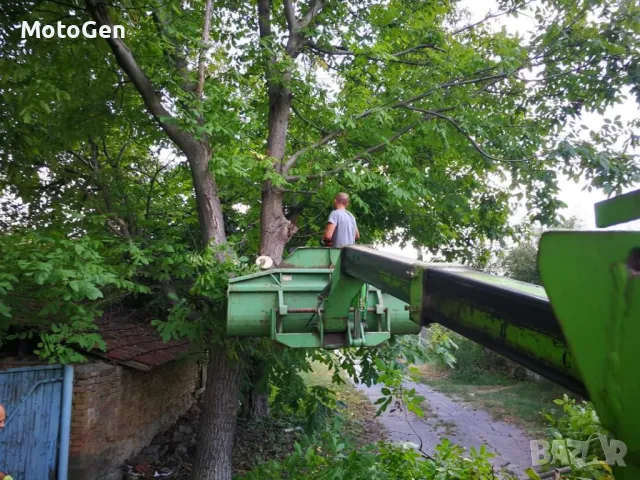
462	423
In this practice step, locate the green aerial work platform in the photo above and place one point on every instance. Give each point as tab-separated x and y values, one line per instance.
582	330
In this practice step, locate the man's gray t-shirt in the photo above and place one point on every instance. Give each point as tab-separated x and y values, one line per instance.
345	232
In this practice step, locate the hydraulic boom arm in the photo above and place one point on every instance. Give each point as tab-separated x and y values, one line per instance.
582	330
512	318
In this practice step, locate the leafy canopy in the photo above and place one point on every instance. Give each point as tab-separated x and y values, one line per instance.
433	124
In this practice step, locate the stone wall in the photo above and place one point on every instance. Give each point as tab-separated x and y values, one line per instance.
118	410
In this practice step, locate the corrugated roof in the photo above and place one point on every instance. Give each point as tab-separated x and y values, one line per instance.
137	344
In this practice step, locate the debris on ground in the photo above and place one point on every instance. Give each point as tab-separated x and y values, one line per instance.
171	453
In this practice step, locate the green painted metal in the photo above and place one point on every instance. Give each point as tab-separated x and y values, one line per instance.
503	282
307	304
317	298
511	317
545	354
253	298
310	257
593	280
616	210
582	330
342	291
319	293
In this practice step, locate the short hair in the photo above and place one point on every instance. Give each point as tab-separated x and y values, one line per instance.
342	198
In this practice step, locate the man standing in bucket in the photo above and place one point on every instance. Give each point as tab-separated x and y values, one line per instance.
341	229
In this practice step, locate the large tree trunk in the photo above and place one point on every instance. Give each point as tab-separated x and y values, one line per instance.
218	423
276	230
207	200
213	455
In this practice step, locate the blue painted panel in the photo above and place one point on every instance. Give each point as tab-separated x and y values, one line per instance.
29	442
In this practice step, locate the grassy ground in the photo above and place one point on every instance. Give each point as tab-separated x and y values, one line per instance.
496	390
361	426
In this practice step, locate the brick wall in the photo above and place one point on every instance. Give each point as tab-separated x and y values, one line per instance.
118	410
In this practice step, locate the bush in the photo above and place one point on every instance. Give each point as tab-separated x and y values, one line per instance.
329	457
472	363
578	421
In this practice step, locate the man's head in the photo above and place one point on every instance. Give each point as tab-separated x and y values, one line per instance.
3	416
341	200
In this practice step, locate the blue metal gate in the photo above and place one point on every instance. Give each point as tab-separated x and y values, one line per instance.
32	397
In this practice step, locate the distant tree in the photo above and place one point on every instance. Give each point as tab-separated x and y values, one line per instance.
521	261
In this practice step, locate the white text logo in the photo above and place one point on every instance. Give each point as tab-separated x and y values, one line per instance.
575	452
60	30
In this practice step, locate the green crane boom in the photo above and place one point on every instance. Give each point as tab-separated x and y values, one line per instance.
582	330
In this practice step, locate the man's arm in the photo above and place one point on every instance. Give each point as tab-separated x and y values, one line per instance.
328	233
357	234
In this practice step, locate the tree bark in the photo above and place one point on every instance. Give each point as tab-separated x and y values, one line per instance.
276	230
256	406
218	422
215	442
259	407
197	151
207	199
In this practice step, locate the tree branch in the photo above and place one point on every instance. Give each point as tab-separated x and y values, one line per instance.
82	159
419	47
463	132
314	9
290	14
323	141
113	222
178	62
383	145
290	163
326	139
307	121
206	36
99	12
491	16
147	209
358	156
343	51
264	18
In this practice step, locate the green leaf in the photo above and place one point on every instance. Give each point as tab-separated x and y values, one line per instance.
5	310
531	473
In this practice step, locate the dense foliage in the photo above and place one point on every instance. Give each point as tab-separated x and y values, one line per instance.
383	461
578	421
408	106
